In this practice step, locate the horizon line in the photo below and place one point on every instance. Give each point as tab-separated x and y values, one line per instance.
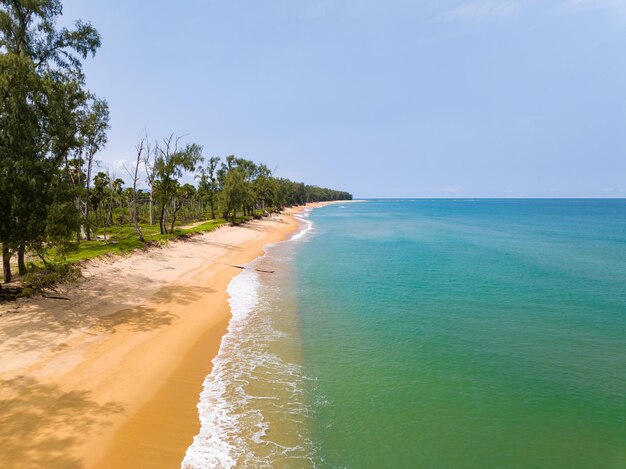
489	198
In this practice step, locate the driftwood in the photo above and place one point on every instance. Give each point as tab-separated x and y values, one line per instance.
257	270
239	266
9	293
13	293
55	297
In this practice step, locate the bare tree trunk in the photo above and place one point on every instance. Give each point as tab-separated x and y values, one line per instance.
21	265
80	228
78	225
135	175
151	203
162	219
106	222
6	263
135	219
87	187
176	209
148	162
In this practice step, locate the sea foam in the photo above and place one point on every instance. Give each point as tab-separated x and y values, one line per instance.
232	424
217	443
308	224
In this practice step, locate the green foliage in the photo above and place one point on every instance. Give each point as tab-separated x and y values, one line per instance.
94	126
51	128
42	278
41	103
234	191
28	27
208	185
123	240
207	226
169	165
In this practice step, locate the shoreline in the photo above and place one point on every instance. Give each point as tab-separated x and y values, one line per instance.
112	378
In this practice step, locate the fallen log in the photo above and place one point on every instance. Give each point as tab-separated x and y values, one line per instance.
9	293
241	267
256	270
55	297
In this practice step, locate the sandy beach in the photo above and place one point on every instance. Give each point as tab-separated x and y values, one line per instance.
111	377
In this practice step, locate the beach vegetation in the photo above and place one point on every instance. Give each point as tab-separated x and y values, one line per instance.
40	279
58	205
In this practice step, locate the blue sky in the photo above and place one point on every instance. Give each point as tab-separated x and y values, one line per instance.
395	98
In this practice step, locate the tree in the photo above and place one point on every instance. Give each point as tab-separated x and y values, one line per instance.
134	212
67	105
265	187
182	195
208	185
116	188
40	66
28	27
169	165
19	129
151	156
101	182
94	137
233	192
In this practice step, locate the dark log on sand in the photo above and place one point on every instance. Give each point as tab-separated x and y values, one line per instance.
257	270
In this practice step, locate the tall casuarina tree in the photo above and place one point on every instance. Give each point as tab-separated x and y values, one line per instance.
39	64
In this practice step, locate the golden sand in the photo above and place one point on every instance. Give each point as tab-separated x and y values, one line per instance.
112	377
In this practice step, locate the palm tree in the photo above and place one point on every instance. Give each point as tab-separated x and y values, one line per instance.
101	182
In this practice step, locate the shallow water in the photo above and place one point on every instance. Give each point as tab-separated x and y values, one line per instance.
253	409
471	333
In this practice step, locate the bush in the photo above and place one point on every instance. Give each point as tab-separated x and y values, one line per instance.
26	292
40	278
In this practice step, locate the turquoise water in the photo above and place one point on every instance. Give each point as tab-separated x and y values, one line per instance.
427	333
464	333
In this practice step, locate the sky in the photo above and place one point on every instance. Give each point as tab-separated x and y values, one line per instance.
394	98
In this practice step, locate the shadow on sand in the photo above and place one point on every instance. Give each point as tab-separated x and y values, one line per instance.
147	318
40	423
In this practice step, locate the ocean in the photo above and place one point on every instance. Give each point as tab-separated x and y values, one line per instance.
427	333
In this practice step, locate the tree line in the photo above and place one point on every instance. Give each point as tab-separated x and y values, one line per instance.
223	188
53	193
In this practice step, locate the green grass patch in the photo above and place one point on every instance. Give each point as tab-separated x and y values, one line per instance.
123	239
207	226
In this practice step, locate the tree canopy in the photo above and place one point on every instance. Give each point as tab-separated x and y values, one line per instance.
52	128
